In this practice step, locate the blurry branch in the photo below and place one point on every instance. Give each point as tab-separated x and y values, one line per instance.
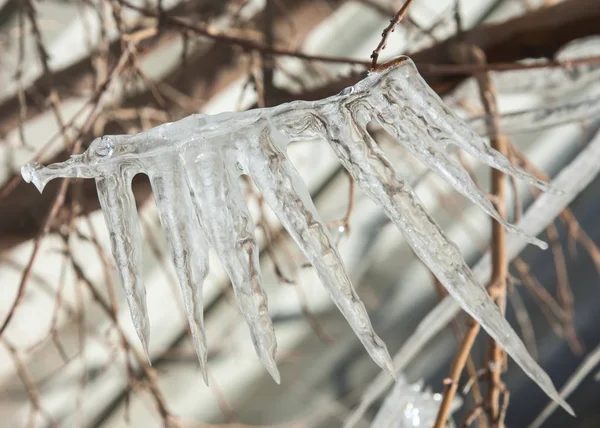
547	304
589	364
246	43
59	198
80	77
565	295
29	385
523	319
386	10
149	373
566	216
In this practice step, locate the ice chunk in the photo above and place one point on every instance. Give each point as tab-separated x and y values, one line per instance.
188	247
118	205
287	195
229	229
194	164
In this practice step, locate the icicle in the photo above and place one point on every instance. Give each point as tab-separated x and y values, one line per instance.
288	197
230	231
415	138
411	92
188	247
376	177
118	205
211	151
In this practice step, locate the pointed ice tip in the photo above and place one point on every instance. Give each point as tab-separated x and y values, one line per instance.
273	371
202	361
390	370
204	373
543	245
548	187
566	407
144	341
387	365
147	356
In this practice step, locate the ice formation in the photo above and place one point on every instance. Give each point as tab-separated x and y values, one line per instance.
193	165
411	406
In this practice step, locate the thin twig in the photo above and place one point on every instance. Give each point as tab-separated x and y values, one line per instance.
496	360
564	290
387	31
451	384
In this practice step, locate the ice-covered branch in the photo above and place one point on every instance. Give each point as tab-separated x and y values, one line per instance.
193	165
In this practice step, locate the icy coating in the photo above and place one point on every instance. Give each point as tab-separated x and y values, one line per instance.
193	165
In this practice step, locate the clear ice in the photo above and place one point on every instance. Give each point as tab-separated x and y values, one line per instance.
194	164
411	406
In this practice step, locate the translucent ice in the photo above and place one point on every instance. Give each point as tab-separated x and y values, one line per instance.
410	406
193	165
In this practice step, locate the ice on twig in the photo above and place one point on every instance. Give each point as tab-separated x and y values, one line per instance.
194	164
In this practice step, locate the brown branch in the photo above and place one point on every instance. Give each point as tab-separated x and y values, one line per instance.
549	307
565	292
524	320
451	384
388	31
498	281
242	42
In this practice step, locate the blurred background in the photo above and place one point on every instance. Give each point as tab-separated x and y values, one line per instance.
74	70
